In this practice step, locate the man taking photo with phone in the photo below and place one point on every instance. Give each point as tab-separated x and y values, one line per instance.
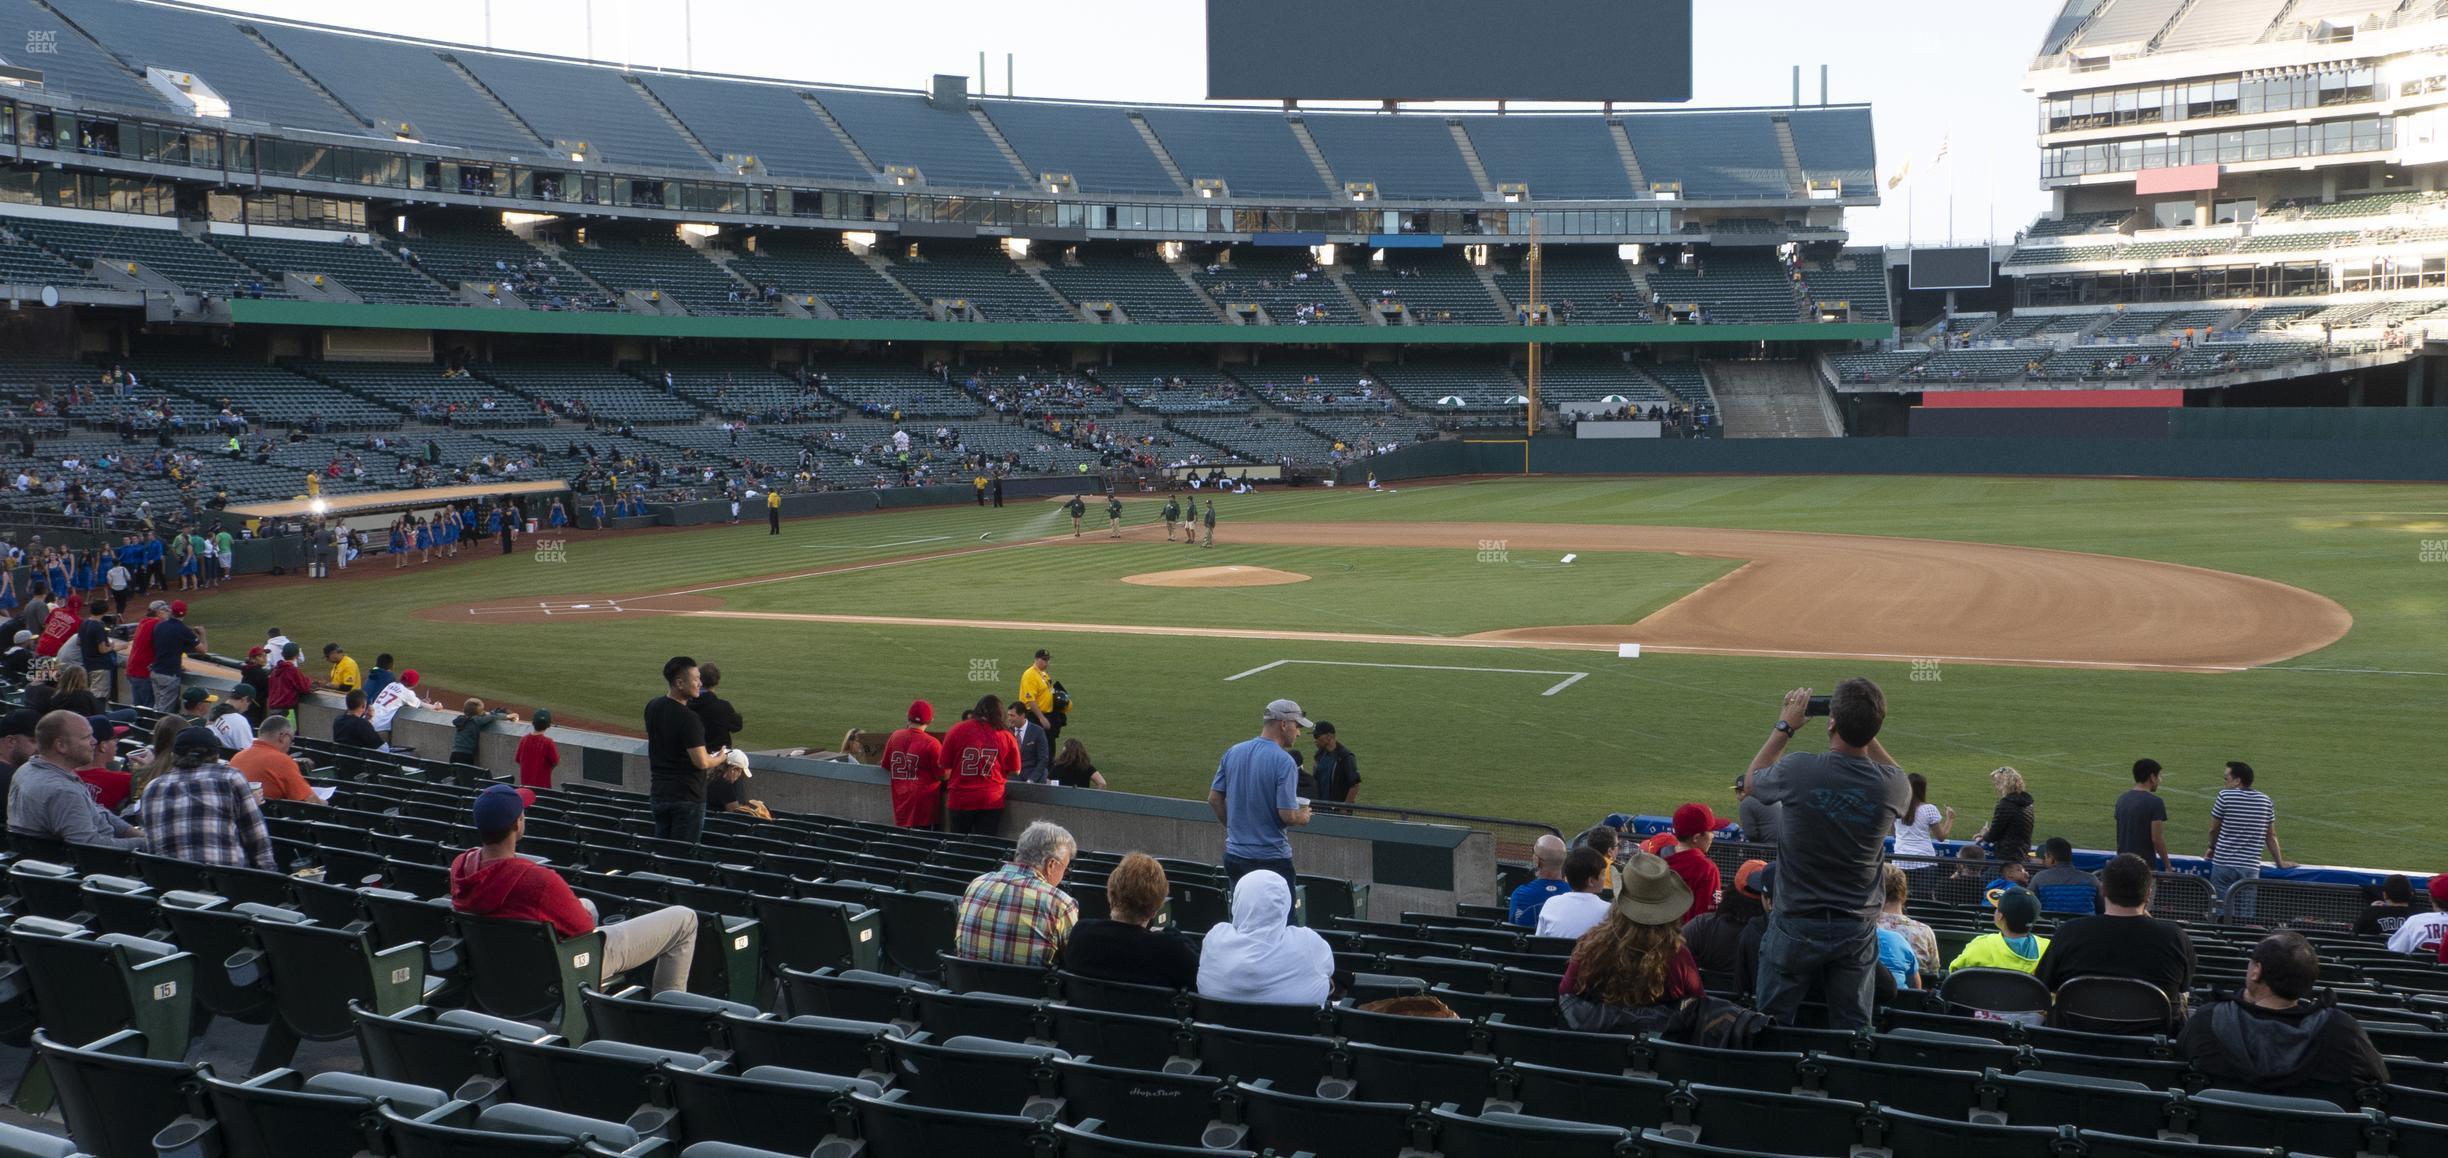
1838	808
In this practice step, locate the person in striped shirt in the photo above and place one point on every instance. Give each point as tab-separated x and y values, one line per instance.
1018	914
2242	822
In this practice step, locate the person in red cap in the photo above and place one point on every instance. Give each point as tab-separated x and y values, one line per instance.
399	693
1695	828
111	786
255	675
914	761
2421	933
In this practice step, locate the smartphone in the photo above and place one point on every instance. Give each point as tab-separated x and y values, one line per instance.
1818	707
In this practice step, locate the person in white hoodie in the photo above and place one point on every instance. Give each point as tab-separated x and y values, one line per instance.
1259	955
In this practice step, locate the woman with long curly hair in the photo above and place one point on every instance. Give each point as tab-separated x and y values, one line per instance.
1635	960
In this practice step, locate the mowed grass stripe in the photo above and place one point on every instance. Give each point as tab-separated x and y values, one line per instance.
2334	748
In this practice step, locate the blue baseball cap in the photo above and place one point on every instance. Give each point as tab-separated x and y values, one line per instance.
499	807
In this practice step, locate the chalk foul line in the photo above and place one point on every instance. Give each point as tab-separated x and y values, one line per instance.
1570	677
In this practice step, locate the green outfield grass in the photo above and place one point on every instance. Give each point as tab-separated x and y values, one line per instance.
2334	740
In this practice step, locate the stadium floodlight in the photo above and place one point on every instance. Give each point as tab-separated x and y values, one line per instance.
318	506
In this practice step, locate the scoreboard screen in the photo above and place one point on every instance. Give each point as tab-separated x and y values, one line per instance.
1421	50
1958	268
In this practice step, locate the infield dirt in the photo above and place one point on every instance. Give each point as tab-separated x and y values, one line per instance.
1797	594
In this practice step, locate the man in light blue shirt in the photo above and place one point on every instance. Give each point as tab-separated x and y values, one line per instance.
1253	796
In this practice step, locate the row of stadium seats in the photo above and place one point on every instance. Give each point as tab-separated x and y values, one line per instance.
817	273
1027	1046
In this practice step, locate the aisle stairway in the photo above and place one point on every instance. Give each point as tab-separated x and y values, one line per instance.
1773	400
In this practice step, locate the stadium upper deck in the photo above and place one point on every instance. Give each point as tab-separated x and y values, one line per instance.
552	129
2241	190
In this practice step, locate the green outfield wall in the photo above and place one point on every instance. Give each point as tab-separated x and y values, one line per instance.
2269	457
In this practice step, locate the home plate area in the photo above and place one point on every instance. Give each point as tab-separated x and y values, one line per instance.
556	607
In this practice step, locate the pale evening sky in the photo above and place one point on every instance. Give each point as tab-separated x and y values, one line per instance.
1933	70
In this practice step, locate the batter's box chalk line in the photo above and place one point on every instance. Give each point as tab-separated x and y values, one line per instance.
557	607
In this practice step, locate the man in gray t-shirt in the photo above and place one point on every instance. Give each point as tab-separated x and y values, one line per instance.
1757	817
1836	810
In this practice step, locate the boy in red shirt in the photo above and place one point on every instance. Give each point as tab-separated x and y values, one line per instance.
1695	829
979	753
914	760
286	685
493	880
140	650
537	755
59	628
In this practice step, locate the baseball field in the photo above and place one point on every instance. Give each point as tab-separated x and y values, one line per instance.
2064	627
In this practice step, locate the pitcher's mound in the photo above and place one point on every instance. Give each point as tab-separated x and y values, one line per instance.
1218	577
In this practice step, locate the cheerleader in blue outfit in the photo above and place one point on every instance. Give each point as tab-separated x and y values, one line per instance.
57	572
492	523
86	578
8	586
598	513
188	566
557	518
399	544
424	543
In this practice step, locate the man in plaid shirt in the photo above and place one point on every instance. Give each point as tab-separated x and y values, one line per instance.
1018	914
204	810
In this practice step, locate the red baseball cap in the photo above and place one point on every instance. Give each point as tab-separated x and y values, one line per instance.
178	607
1656	845
921	712
2439	890
409	677
1693	819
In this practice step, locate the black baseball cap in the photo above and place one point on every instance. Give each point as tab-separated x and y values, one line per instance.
20	722
195	740
1322	729
1044	654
